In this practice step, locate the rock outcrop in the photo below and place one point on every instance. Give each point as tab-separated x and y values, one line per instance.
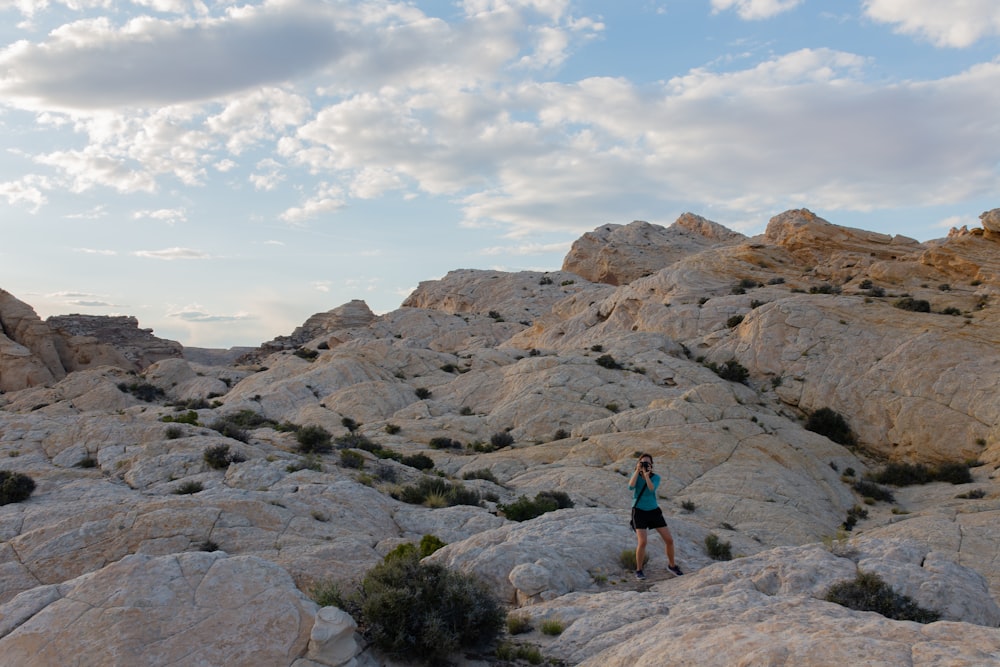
702	347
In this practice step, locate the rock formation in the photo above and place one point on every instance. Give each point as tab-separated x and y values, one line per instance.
703	347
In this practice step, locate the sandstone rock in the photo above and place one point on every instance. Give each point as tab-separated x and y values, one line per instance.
991	220
119	333
195	608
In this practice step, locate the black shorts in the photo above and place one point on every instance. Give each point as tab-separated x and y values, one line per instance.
648	518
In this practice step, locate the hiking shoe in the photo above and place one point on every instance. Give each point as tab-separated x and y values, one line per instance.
676	569
640	575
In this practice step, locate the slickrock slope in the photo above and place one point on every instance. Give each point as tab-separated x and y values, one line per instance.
582	374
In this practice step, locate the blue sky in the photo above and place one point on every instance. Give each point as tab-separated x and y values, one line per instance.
223	171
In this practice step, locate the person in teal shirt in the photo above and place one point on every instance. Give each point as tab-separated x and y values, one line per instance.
646	514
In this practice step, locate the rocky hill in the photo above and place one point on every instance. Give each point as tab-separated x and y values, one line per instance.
710	350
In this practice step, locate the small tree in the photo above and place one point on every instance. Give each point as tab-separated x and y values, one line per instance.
314	439
831	424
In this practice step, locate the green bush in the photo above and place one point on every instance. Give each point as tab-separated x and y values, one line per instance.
872	490
915	305
518	624
853	516
142	390
351	459
418	461
314	439
173	432
349	424
552	626
189	417
868	592
219	457
627	559
717	549
15	487
356	441
482	473
430	488
423	612
501	439
731	370
607	361
525	509
422	392
306	353
429	544
907	474
189	487
392	429
734	321
442	442
831	424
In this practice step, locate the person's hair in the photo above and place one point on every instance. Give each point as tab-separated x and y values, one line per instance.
645	455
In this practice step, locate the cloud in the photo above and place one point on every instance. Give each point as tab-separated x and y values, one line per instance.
25	192
172	254
326	200
750	10
92	304
94	64
529	249
92	251
945	24
99	211
72	295
167	215
196	313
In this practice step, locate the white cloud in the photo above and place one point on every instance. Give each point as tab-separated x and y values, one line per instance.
196	313
94	251
25	192
172	254
529	249
167	215
951	24
326	199
268	175
750	10
99	211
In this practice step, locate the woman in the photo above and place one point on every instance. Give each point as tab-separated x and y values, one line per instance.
646	513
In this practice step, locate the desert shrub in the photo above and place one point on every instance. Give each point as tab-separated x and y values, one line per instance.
951	310
249	419
687	505
423	612
482	473
627	559
418	461
313	439
465	411
832	424
545	280
306	353
734	321
854	514
866	284
219	457
518	624
442	442
868	592
552	626
88	461
422	392
955	473
870	489
749	283
607	361
560	434
915	305
429	544
825	288
525	509
189	417
731	370
974	494
307	462
431	489
351	459
906	474
778	280
501	439
349	424
355	441
228	429
562	499
15	487
189	487
144	391
392	429
717	549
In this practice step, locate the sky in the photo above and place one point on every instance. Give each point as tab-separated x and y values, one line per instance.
222	171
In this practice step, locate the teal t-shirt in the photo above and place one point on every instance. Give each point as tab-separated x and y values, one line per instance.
648	499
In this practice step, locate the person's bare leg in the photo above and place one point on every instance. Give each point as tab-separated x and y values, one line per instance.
640	547
668	541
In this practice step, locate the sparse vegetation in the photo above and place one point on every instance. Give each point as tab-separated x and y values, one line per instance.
915	305
189	487
868	592
869	489
314	439
392	429
423	612
437	491
734	321
731	370
219	457
350	458
525	509
482	473
552	627
830	423
15	487
442	442
306	353
627	559
607	361
501	439
189	417
717	549
144	391
422	393
518	624
687	505
418	461
907	474
854	514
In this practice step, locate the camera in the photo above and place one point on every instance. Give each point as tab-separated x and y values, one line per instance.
645	465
